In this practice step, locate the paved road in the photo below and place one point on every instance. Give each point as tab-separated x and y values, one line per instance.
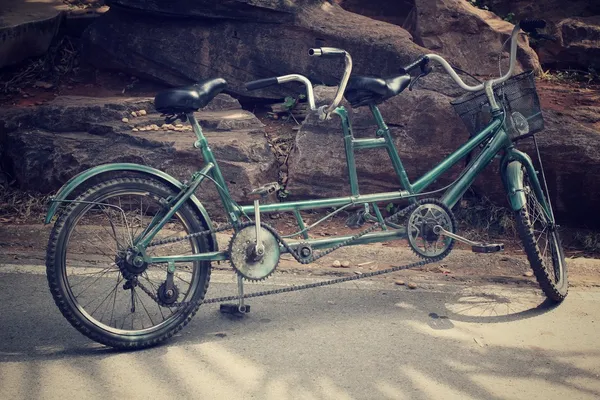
366	340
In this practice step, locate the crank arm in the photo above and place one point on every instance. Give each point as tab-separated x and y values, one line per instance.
438	230
259	248
475	246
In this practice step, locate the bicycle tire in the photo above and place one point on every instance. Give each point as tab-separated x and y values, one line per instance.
541	252
75	313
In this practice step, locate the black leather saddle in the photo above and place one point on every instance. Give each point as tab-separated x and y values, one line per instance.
188	98
364	90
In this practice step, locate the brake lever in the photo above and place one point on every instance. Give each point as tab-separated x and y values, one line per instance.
425	70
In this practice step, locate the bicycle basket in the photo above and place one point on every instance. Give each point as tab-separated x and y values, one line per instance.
518	97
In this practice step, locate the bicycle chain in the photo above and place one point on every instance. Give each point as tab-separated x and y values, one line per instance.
314	257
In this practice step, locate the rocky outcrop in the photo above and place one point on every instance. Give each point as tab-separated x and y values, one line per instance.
425	131
472	37
398	12
27	28
45	146
274	11
577	45
575	24
177	50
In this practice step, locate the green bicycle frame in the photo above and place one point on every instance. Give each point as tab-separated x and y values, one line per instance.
493	138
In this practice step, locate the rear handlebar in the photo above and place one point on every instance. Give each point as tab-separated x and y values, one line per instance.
324	111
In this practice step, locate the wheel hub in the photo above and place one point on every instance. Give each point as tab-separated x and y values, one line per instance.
428	232
131	263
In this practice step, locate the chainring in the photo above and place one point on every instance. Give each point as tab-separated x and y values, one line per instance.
420	233
242	257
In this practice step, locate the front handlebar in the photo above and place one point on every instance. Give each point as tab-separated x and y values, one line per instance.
527	25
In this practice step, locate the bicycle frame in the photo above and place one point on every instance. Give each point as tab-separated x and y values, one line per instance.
493	138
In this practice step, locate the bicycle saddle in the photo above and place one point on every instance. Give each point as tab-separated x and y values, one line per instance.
364	90
188	98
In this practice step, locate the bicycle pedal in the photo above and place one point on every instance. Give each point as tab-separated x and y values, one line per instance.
233	309
265	190
488	248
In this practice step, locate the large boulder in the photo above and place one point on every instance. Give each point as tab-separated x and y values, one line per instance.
27	28
399	12
426	130
577	45
275	11
468	36
43	147
576	26
473	38
177	50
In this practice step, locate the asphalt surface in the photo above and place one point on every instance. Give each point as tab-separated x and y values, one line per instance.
364	340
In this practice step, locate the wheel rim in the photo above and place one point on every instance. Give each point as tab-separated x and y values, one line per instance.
544	235
94	282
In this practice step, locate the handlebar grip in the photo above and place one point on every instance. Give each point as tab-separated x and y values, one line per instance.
261	83
327	52
530	25
420	63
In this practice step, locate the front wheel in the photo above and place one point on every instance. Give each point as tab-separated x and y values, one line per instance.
541	243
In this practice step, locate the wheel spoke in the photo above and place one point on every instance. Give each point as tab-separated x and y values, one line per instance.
93	267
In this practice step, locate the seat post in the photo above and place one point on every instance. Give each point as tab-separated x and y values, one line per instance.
201	142
209	158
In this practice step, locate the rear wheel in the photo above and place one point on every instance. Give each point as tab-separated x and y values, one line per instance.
541	243
99	290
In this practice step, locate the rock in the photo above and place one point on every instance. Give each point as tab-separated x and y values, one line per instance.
578	44
345	264
27	28
576	28
398	12
446	27
275	11
150	46
399	282
549	10
336	264
470	37
126	120
528	274
358	272
142	112
42	147
134	114
411	285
